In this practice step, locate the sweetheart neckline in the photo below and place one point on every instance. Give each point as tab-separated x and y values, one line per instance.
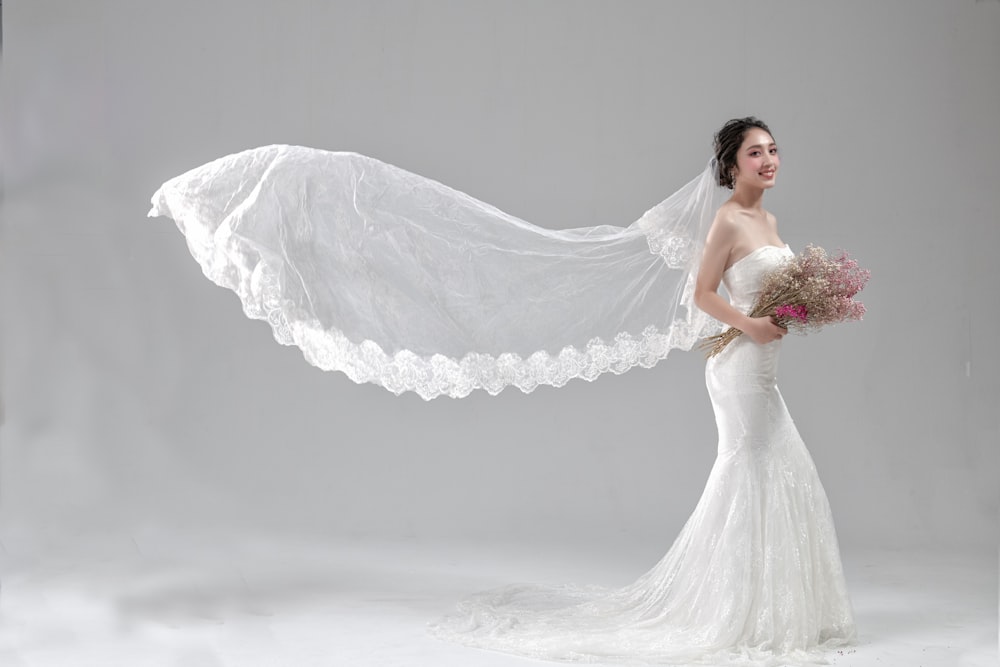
754	251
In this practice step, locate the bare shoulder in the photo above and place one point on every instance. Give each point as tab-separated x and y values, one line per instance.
727	222
722	236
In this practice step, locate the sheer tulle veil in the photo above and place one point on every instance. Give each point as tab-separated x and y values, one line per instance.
393	278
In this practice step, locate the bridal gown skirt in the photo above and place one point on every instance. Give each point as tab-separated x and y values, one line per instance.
753	578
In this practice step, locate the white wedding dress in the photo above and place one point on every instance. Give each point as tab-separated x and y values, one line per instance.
393	278
753	578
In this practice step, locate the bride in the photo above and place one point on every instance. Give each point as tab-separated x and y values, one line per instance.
754	577
393	278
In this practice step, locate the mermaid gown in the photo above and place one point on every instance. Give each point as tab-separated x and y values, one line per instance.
754	577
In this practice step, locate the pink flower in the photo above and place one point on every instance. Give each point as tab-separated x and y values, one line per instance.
794	312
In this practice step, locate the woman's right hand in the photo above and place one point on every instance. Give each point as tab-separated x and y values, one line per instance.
763	330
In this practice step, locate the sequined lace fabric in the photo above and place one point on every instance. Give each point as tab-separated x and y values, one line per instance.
753	578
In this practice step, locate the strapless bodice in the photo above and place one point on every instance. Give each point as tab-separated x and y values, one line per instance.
742	280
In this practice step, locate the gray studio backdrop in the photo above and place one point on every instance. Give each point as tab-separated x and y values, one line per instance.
137	397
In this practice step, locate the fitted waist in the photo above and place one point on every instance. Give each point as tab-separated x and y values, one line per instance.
744	362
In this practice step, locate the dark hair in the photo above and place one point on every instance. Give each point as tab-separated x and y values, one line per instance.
727	143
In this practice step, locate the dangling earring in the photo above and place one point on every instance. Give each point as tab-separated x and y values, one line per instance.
732	178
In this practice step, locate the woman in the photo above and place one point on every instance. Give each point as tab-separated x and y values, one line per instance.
755	575
393	278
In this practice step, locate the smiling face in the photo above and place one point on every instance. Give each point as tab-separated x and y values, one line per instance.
757	159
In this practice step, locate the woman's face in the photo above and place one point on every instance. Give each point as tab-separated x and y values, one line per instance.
757	160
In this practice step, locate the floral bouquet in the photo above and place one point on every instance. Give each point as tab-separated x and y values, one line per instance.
805	293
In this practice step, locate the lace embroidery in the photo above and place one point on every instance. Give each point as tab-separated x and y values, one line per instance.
437	374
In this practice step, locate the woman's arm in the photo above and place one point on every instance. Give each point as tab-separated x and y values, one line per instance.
718	245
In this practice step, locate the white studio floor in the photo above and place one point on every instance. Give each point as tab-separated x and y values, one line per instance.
144	600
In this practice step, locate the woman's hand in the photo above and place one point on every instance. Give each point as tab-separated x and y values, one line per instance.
763	329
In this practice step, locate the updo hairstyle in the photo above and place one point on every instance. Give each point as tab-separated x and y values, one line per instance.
727	143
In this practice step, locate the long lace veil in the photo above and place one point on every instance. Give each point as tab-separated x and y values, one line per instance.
396	279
